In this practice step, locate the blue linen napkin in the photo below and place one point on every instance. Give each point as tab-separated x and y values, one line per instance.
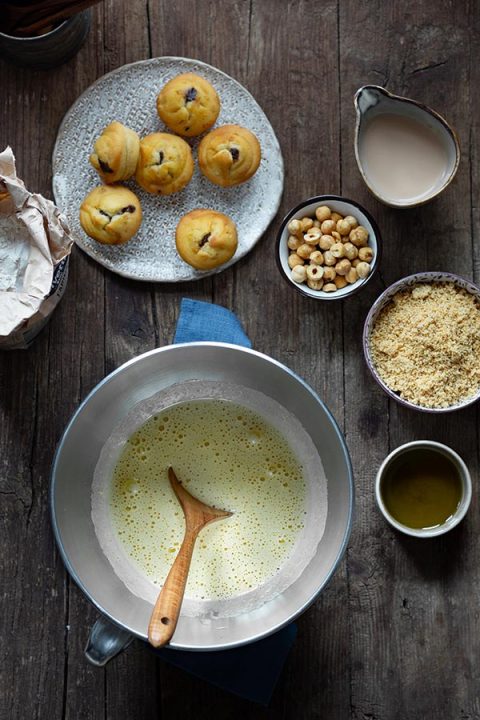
202	321
250	671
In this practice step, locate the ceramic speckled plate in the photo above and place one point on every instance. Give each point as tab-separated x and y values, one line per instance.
128	95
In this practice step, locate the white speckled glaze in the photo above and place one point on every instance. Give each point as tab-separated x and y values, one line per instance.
128	95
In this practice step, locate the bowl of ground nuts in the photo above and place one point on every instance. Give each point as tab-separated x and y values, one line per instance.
421	341
328	247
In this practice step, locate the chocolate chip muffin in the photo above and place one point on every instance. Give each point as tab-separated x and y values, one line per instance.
111	214
188	105
229	155
115	153
206	239
165	164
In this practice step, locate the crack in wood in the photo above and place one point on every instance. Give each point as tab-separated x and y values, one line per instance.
33	447
26	505
430	66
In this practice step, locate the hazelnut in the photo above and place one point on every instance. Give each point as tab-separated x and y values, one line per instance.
342	267
366	254
294	242
304	251
315	284
356	262
343	227
329	287
312	236
316	223
359	236
363	269
294	227
294	259
316	257
340	282
326	242
328	258
337	236
353	222
307	223
323	213
336	216
327	226
329	274
314	272
351	251
338	250
299	273
352	276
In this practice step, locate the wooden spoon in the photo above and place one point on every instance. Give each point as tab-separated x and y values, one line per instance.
167	608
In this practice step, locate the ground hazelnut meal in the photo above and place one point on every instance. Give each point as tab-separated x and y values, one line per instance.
425	344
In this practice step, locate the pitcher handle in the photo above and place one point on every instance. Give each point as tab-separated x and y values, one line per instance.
105	641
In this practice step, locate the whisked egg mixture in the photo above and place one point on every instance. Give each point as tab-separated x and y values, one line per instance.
229	457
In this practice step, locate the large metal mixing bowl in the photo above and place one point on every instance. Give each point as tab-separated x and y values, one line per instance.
78	453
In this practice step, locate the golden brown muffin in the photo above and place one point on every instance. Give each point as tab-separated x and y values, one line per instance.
115	153
165	164
188	104
206	239
111	214
229	155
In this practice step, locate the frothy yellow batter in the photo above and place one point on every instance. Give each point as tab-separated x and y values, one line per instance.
229	457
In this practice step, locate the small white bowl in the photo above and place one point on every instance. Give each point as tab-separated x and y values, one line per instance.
464	477
344	207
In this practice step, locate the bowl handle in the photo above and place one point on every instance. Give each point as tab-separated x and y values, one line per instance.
105	641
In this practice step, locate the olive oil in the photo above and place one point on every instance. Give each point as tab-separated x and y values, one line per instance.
422	488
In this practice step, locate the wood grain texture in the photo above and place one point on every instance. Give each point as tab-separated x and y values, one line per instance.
413	626
396	633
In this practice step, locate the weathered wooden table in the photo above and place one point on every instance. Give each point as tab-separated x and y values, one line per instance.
397	633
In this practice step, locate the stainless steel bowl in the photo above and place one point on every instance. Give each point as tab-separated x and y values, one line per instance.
92	424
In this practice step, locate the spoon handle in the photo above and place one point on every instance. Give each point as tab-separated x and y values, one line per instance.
167	608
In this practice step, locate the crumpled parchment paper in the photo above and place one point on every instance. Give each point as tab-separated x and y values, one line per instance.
34	239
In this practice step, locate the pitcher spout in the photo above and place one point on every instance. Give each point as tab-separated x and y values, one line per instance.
368	97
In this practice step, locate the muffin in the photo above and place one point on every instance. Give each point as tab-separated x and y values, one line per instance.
206	239
111	214
188	105
229	155
115	153
165	164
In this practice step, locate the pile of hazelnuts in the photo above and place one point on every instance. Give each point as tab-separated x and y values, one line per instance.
328	252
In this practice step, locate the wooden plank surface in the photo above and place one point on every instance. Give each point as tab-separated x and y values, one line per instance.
396	633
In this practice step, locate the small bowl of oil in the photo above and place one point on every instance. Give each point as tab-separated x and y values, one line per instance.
423	488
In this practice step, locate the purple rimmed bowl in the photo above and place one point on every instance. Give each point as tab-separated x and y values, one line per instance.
383	300
344	207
